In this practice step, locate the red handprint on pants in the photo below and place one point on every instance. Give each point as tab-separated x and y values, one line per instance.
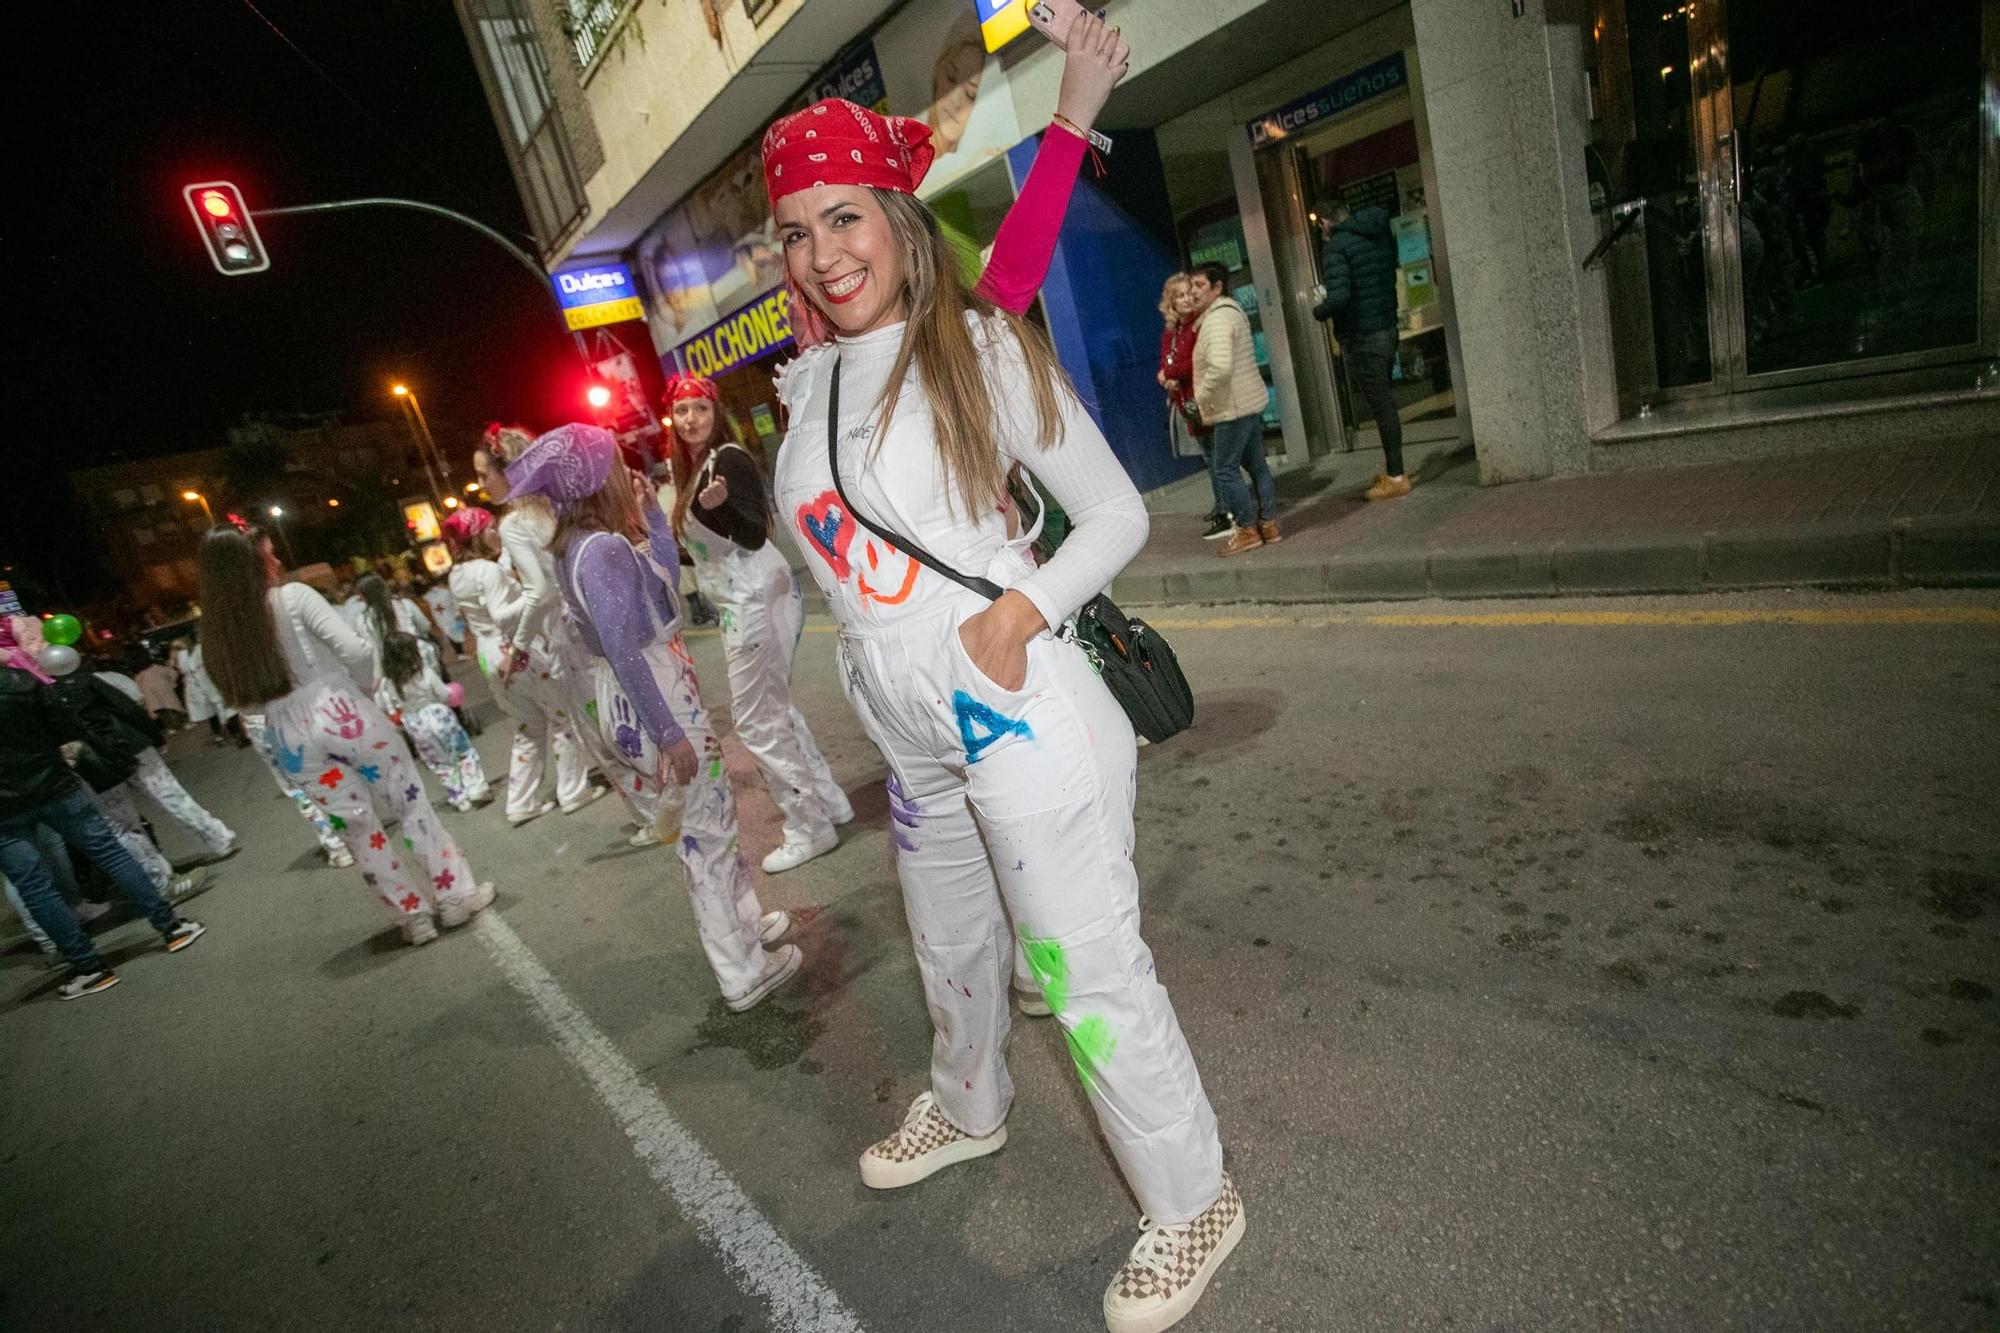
341	719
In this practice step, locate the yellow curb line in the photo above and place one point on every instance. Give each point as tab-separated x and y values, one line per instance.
1888	615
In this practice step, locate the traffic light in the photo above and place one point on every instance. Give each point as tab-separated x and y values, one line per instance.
226	229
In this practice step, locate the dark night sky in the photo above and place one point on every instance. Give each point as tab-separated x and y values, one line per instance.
137	346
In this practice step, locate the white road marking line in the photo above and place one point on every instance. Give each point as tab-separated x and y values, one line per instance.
720	1212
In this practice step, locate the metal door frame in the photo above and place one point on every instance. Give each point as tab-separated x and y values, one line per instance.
1720	174
1294	230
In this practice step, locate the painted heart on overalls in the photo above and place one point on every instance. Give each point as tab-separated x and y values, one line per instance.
825	525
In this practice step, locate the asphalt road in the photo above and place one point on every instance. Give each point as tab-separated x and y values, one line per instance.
1544	976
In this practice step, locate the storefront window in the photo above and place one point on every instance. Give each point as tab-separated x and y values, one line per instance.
1806	188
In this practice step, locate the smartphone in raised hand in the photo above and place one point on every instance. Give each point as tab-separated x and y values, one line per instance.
1052	18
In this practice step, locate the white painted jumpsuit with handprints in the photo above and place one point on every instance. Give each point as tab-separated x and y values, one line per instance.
625	626
1004	801
763	615
491	601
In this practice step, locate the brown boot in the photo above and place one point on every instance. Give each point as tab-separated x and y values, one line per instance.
1268	530
1241	540
1389	488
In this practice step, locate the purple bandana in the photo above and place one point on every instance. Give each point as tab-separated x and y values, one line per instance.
565	465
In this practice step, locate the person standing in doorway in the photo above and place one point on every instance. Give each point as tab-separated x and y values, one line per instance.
1358	269
1176	376
1231	394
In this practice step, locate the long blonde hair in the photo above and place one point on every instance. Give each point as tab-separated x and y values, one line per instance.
940	341
1170	298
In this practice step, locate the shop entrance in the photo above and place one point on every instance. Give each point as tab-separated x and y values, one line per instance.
1807	188
1369	159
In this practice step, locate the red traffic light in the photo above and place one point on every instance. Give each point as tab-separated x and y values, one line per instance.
226	228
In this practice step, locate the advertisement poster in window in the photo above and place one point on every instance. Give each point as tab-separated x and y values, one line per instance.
935	62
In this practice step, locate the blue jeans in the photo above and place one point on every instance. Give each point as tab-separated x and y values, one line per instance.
57	852
79	820
1237	446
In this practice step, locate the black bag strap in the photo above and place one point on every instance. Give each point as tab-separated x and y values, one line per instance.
986	588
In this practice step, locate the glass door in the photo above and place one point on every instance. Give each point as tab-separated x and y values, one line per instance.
1815	188
1849	156
1370	162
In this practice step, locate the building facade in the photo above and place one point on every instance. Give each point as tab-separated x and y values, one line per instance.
330	481
1626	234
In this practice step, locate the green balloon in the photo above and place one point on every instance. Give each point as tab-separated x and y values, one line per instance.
63	629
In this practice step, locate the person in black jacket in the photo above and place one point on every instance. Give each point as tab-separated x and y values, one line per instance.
1358	270
37	787
120	734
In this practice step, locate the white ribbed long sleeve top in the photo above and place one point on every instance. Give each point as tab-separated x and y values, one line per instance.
897	479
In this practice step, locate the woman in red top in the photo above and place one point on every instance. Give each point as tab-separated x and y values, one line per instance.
1177	378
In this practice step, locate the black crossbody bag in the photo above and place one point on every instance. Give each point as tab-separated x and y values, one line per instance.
1132	658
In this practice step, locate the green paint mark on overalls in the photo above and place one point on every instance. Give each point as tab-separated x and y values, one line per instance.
1090	1045
1050	967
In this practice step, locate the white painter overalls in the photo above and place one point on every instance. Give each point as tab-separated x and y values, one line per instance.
1004	803
528	694
727	913
763	615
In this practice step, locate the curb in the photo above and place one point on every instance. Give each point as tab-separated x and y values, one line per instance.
1944	553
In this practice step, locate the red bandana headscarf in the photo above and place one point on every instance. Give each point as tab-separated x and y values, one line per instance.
680	388
465	524
835	142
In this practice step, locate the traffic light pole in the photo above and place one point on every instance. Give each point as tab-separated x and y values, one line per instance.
522	257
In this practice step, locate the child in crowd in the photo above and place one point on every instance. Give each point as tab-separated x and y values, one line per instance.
417	699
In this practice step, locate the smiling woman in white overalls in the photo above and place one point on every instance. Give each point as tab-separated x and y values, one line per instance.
723	522
1013	770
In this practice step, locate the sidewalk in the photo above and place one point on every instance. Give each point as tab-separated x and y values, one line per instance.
1918	514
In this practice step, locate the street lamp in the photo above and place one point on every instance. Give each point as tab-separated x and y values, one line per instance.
435	466
196	497
277	512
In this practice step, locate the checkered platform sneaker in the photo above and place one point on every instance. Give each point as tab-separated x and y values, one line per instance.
1170	1267
924	1145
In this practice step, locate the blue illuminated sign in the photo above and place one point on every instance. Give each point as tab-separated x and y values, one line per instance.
599	294
1343	94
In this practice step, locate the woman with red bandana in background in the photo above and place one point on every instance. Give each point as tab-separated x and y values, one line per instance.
490	600
723	521
528	663
1013	770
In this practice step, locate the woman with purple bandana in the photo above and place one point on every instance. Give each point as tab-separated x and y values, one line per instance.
647	702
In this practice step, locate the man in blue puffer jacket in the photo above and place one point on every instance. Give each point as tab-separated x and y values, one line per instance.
1358	268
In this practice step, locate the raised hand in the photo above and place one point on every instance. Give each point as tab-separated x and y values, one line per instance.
1096	58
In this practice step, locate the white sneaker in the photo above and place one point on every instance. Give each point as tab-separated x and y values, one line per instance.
925	1144
536	813
1032	1004
340	858
592	795
88	911
643	837
772	926
419	929
1170	1267
458	906
782	965
841	811
790	855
